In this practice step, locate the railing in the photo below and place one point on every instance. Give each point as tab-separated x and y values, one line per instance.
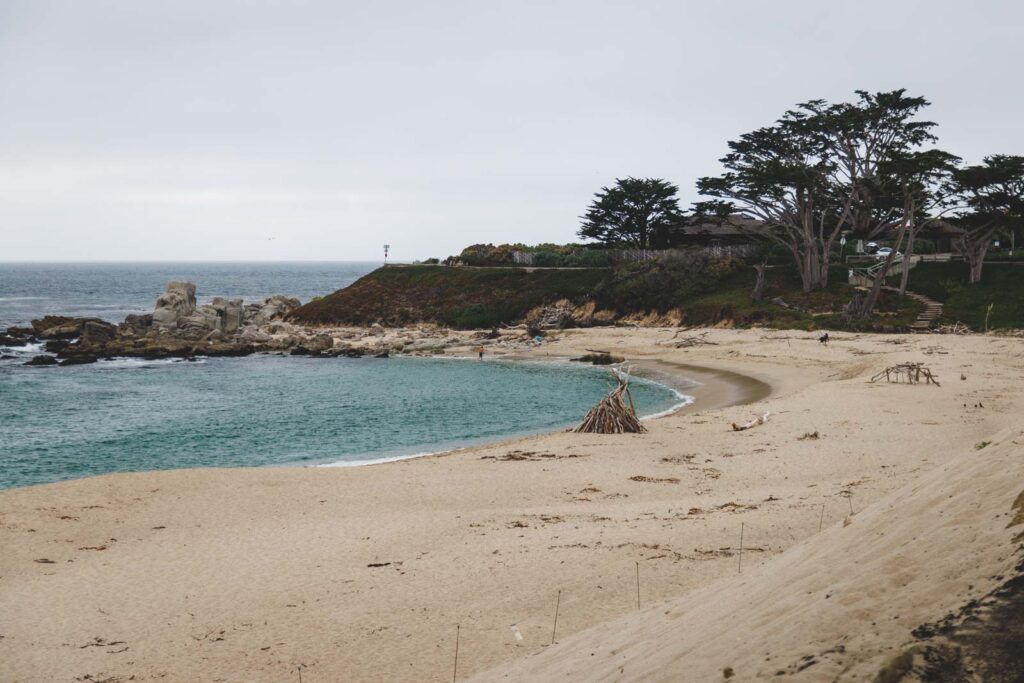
865	277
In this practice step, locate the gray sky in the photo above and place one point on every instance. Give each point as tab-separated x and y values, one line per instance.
215	130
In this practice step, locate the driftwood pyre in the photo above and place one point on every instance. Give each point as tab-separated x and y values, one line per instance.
612	415
909	372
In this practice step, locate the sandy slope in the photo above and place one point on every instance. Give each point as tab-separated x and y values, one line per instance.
839	606
249	574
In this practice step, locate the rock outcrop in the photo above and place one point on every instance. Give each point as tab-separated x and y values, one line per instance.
274	308
181	328
98	332
176	303
59	326
177	327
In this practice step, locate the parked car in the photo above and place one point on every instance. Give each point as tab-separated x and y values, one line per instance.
871	248
883	253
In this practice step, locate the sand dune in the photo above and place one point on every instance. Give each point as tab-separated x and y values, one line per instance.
843	604
363	574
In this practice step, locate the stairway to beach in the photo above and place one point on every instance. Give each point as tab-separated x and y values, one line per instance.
932	309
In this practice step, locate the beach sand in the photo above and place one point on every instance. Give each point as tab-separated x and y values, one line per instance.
366	573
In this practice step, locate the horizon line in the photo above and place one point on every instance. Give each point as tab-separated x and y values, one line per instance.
156	261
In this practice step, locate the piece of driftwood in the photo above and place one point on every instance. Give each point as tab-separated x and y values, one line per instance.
748	425
612	415
911	373
694	340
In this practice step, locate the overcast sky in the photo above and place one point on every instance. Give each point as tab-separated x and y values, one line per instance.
216	130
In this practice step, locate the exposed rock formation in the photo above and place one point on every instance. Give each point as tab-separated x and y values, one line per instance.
59	326
176	303
274	308
98	331
179	328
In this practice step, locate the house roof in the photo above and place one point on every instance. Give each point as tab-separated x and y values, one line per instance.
733	226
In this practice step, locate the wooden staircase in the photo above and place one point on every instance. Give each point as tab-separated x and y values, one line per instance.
932	310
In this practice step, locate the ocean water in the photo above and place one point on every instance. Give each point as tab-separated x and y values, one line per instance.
113	290
60	423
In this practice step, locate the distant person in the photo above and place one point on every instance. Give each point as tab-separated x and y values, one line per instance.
480	352
823	338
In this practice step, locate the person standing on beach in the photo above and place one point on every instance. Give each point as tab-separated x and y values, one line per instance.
480	351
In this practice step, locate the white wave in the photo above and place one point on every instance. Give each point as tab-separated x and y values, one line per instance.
24	298
684	400
379	461
22	350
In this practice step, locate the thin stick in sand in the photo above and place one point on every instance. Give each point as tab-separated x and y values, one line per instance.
637	585
739	568
455	669
821	520
554	626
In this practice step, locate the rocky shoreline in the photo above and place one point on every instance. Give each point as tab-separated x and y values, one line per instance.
180	328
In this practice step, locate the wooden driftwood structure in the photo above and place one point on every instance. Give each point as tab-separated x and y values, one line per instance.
686	342
910	373
612	415
956	328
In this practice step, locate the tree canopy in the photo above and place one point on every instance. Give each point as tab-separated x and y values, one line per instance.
814	173
642	213
989	198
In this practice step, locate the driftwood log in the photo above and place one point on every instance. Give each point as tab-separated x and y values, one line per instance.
612	414
753	423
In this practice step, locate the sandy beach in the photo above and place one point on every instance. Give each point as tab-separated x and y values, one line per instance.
866	509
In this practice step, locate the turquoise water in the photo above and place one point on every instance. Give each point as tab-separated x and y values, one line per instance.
131	415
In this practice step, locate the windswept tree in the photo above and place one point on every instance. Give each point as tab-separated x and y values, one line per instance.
990	198
905	194
637	212
810	175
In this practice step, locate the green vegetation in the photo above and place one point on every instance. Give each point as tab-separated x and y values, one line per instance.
1002	286
542	255
640	213
693	287
463	298
711	291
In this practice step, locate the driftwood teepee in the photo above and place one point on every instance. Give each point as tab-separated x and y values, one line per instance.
612	415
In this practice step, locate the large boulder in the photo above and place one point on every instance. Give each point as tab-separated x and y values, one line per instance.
229	312
201	322
176	303
98	332
274	308
135	325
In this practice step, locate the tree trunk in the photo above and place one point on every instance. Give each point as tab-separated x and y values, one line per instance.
905	276
974	248
975	255
813	268
758	293
868	306
976	259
